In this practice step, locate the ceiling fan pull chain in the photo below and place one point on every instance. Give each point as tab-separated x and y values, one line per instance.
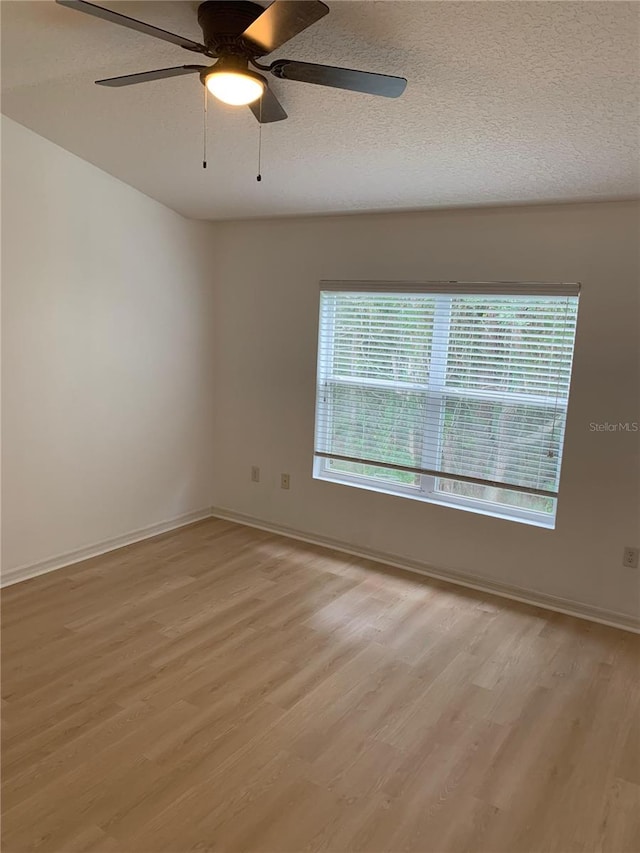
259	175
204	131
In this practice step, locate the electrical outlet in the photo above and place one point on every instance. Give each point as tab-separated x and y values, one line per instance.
255	474
284	481
630	558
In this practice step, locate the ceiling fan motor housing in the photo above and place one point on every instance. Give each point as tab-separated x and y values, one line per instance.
223	22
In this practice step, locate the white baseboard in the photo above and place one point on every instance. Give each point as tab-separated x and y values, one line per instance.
526	596
23	573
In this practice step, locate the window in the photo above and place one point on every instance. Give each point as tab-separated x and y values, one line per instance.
453	393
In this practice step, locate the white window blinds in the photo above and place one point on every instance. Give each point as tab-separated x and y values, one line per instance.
462	382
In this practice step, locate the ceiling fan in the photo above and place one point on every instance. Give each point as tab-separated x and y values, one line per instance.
237	33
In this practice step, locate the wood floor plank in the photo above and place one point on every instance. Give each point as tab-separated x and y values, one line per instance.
219	688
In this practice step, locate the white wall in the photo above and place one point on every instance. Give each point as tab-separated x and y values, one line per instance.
265	340
105	356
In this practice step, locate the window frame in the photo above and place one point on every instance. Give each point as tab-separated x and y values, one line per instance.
436	392
321	471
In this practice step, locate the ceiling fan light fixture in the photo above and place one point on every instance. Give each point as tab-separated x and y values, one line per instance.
235	87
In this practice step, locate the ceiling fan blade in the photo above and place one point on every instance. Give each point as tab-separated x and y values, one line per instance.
144	76
132	24
339	78
268	108
283	20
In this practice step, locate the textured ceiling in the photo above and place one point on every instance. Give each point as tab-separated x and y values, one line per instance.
506	102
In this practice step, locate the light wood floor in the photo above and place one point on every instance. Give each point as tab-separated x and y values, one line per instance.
223	689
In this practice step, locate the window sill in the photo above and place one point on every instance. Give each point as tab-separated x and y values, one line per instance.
532	519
